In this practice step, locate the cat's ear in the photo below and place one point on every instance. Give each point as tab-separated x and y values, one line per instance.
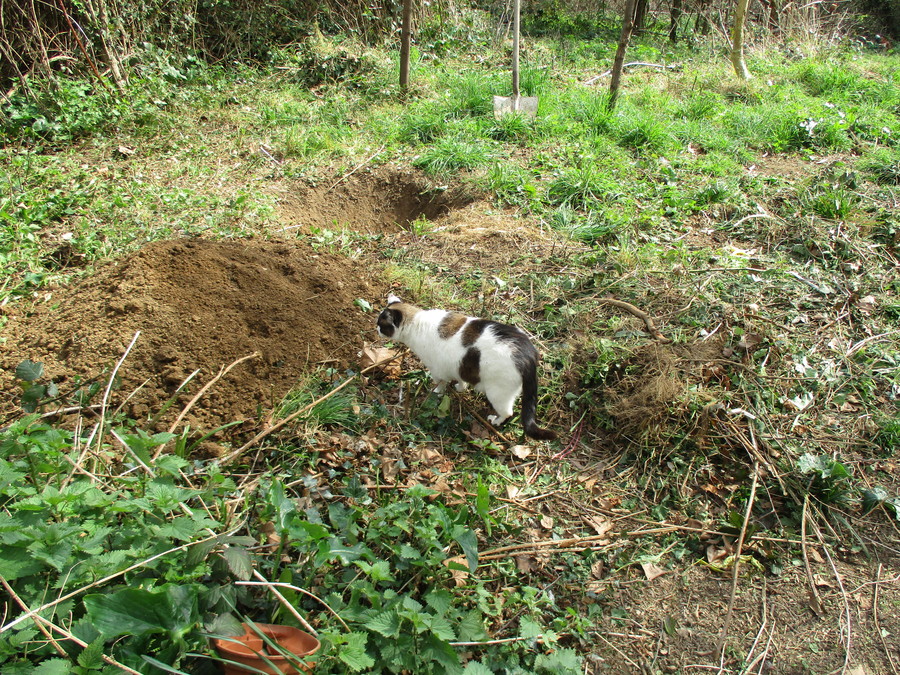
392	299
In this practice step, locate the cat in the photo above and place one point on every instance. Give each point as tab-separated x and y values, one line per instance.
496	359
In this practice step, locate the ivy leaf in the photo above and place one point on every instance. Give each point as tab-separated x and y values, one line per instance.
387	624
353	653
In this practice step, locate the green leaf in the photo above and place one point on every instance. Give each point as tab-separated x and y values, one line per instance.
353	653
471	628
483	499
378	571
387	624
529	628
439	600
163	666
32	396
17	562
53	667
476	668
239	562
132	611
469	543
441	628
225	625
180	528
873	498
91	656
444	654
560	662
29	371
407	552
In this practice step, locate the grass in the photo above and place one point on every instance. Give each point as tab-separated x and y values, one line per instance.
717	207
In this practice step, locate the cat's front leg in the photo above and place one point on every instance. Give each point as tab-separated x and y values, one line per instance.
461	386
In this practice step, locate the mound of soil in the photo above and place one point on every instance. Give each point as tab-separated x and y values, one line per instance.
198	304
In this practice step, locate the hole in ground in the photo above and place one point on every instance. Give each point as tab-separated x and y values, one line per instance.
375	201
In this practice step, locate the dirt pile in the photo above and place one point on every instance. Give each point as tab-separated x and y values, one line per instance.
198	304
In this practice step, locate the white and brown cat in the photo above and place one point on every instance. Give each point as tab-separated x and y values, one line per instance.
494	358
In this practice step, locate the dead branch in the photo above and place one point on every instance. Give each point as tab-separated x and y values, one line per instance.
272	585
814	599
846	630
642	315
633	64
223	371
275	427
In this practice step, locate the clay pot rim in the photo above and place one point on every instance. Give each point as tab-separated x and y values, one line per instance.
250	644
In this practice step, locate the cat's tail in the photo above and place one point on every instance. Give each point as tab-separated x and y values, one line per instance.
529	408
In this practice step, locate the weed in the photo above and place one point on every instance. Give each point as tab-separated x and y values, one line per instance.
644	135
584	186
510	127
335	411
450	155
511	184
883	164
470	95
421	128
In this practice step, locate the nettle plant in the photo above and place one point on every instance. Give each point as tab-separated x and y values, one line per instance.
402	577
123	556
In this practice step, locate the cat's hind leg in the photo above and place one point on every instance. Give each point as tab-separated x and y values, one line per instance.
502	399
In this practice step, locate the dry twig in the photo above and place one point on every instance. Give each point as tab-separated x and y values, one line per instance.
223	371
884	643
639	313
737	561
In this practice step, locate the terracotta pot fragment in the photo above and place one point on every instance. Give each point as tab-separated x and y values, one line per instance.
248	650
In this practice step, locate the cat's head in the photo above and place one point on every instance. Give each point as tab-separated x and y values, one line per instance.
392	318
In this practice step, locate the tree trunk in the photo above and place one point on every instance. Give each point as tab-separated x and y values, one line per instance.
405	37
100	17
674	17
640	16
619	61
737	41
773	20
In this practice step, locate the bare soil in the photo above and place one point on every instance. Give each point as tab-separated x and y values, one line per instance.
198	304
